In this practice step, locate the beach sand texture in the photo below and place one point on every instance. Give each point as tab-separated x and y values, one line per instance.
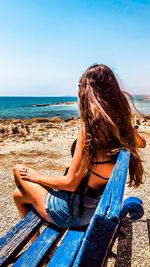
45	146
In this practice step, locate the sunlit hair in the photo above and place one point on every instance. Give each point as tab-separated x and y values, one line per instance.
106	117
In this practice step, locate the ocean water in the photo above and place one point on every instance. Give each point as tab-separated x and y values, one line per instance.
25	107
143	106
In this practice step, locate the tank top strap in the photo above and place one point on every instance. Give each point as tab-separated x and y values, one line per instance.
100	176
102	162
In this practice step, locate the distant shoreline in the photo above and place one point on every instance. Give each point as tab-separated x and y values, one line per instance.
37	120
56	118
146	98
54	104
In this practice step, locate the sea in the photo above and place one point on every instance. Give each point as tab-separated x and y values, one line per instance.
48	107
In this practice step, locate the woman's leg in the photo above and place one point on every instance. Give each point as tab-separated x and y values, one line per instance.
29	193
21	200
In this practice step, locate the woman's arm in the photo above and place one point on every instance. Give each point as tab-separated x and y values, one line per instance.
68	182
140	141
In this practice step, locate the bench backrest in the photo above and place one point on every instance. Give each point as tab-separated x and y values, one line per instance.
105	221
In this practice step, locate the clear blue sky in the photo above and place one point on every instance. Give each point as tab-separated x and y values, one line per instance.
45	45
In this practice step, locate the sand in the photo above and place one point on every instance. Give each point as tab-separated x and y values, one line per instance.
45	145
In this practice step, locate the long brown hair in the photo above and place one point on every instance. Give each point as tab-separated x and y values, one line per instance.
106	115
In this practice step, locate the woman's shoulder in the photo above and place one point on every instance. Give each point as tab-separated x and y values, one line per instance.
79	139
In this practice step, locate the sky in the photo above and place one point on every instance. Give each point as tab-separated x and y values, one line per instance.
46	45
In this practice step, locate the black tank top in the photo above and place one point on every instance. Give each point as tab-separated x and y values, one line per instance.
85	190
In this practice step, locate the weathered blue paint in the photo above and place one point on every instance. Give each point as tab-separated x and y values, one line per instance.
17	237
111	200
96	243
67	250
104	224
36	252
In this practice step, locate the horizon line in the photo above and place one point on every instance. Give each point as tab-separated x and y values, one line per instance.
58	96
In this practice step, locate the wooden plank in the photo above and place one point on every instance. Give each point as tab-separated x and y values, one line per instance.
118	184
111	200
37	250
105	222
18	236
67	250
96	243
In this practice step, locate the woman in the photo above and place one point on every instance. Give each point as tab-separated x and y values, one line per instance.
105	129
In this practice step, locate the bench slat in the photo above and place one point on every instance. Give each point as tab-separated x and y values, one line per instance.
111	200
37	250
67	250
118	184
96	243
18	236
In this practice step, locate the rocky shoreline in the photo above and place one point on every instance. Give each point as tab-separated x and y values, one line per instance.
54	104
28	127
44	144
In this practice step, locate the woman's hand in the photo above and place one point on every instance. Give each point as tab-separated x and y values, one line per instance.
29	175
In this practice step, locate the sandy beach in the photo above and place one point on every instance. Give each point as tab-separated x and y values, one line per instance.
44	144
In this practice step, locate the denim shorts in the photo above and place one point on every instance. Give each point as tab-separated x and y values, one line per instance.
57	207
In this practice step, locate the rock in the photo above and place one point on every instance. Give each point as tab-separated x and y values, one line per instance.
40	120
55	119
41	105
2	130
15	130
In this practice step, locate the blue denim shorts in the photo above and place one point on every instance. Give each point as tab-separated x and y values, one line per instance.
57	207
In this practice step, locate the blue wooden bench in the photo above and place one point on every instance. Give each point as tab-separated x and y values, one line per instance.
83	247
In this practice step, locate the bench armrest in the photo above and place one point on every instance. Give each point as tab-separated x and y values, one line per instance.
134	207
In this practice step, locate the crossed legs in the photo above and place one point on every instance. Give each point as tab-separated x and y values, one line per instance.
29	193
